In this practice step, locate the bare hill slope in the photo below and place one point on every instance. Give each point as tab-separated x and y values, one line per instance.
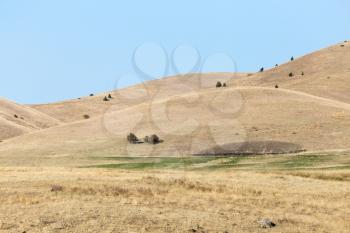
323	73
94	106
16	119
308	112
266	116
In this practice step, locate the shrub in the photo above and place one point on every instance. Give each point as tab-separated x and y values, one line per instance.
15	116
292	58
276	86
56	188
218	84
154	139
276	65
110	96
132	138
224	85
302	73
91	94
342	45
86	116
105	98
262	69
291	74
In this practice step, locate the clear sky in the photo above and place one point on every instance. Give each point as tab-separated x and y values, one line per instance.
61	49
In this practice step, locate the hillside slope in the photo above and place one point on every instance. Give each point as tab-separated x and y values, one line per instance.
326	74
16	119
94	106
266	116
308	112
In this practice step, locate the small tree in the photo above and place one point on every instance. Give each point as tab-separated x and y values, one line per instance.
262	69
132	138
105	98
154	139
291	74
218	84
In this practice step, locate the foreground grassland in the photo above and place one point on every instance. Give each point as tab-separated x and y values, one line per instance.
301	193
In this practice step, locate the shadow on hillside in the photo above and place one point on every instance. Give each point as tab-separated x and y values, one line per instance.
252	148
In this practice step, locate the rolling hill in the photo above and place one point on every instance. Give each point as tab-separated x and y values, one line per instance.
307	112
16	119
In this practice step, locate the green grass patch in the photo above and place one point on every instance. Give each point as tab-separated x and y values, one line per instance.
259	163
154	162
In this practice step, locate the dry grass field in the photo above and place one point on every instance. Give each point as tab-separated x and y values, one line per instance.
99	200
61	171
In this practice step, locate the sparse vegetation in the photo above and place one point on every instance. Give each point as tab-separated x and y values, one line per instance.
276	86
302	73
91	94
132	138
224	85
105	98
153	139
291	74
56	188
110	96
15	116
262	69
218	84
292	58
86	116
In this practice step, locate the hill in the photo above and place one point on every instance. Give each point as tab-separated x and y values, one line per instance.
307	112
16	119
323	73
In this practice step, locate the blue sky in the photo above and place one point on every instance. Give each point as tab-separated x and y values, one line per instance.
55	50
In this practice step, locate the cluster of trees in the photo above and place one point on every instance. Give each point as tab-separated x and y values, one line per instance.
152	139
107	98
219	84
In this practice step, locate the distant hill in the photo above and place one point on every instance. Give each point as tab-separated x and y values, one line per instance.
16	119
306	112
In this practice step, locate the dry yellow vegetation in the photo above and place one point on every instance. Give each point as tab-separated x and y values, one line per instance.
94	200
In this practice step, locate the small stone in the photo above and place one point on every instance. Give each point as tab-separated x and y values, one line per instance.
266	223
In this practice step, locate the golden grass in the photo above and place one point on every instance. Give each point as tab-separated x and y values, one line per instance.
171	201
